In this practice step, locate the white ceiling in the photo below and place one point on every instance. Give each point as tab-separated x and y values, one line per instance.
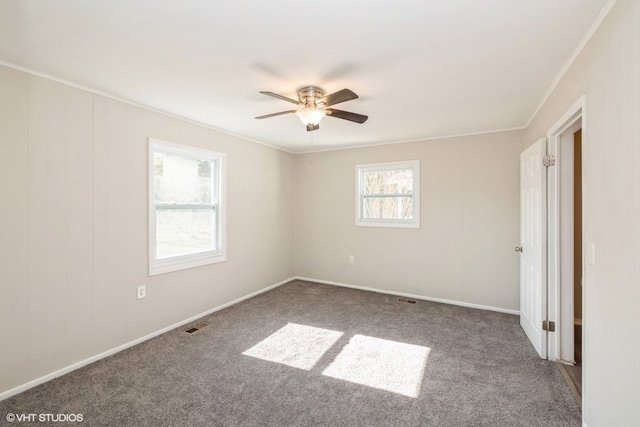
422	68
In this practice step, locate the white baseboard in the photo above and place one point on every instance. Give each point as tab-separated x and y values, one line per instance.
420	297
19	389
12	392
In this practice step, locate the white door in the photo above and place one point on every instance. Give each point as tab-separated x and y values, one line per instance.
533	289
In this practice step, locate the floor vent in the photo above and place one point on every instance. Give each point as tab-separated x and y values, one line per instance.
196	328
407	300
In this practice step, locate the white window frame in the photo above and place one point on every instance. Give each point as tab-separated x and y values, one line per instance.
415	194
196	259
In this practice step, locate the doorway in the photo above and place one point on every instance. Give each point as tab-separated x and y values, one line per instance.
552	255
577	245
565	244
571	366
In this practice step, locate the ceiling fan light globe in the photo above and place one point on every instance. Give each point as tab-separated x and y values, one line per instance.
310	116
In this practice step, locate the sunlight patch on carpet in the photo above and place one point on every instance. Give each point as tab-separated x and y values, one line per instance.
386	365
298	346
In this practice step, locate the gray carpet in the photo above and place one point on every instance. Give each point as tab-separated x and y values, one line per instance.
308	354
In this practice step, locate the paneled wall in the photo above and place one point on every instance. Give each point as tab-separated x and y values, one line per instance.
463	250
73	210
607	72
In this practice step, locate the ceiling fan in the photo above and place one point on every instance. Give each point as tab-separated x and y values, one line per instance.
312	106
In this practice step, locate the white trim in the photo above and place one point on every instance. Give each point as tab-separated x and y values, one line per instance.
412	141
200	258
563	338
414	296
569	117
12	392
245	138
414	165
137	104
576	52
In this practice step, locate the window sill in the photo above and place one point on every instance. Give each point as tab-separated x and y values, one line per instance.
388	224
183	263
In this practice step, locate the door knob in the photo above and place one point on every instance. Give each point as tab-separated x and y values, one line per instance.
518	248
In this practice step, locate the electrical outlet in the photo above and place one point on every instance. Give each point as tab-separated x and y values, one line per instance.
352	259
142	292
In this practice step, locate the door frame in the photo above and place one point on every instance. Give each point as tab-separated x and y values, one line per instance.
560	232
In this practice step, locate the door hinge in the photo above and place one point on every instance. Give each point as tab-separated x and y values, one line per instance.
549	161
548	326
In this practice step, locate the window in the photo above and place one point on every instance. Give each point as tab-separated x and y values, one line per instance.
388	194
186	207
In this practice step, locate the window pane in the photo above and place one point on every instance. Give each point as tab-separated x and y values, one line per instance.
184	232
398	181
179	179
388	194
387	208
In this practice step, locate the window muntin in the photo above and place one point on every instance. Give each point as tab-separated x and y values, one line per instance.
388	194
185	213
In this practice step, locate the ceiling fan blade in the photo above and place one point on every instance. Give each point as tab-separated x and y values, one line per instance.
346	115
266	116
284	98
312	127
338	97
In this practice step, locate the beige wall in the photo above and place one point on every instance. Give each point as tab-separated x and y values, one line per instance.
608	73
73	246
463	251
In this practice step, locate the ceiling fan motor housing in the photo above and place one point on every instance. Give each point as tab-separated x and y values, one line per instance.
310	96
